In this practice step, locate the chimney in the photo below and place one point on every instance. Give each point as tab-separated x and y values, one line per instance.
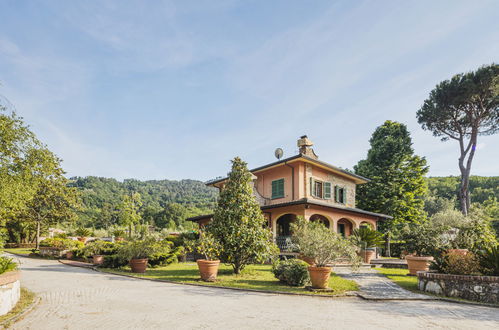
305	145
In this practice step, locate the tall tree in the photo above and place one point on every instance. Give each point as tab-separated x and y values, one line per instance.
461	109
397	178
238	223
129	211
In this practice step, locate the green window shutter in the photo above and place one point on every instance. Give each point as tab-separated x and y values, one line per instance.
278	188
327	190
344	195
336	194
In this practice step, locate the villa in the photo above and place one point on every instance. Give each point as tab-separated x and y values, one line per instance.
302	185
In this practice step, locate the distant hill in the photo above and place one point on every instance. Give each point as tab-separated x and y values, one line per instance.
481	187
103	195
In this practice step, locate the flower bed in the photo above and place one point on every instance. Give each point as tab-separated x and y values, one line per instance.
476	288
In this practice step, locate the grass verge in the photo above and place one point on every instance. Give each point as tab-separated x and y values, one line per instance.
25	301
399	276
253	277
19	251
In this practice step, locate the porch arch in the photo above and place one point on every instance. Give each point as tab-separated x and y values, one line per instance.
344	227
283	224
321	218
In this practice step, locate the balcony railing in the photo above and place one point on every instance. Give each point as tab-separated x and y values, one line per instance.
284	243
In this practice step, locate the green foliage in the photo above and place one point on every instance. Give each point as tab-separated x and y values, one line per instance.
293	272
489	260
476	234
397	177
461	264
139	249
7	264
365	237
61	243
207	245
425	239
238	223
317	242
164	254
129	211
83	232
119	233
99	247
461	109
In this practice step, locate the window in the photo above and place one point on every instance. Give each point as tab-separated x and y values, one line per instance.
278	188
340	195
320	189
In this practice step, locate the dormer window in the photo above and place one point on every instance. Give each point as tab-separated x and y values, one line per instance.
320	189
278	188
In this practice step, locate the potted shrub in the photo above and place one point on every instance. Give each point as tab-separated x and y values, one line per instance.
316	241
423	242
210	248
97	249
82	234
119	235
366	239
136	252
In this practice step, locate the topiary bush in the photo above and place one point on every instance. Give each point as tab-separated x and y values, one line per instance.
165	253
293	272
61	243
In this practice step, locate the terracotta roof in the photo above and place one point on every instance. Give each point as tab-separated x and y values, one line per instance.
282	161
307	201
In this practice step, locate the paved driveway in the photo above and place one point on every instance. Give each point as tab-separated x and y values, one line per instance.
76	298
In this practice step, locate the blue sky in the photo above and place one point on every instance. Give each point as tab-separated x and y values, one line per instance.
154	90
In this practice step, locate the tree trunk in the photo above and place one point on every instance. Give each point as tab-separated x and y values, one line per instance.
388	252
37	235
464	194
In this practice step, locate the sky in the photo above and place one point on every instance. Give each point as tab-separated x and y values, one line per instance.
175	89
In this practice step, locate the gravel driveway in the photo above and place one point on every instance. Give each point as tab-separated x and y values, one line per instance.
76	298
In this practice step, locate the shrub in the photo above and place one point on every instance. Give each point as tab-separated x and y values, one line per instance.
489	261
114	261
425	239
165	254
61	243
462	264
7	264
293	272
99	247
119	233
139	249
317	242
366	238
83	232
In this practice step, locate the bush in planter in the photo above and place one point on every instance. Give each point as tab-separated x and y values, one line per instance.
165	254
119	233
293	272
366	238
7	264
461	264
209	247
99	247
61	243
137	253
317	242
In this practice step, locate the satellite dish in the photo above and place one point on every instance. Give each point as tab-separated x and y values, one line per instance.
278	153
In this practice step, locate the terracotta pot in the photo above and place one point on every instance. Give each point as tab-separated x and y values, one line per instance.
119	239
461	252
82	239
208	269
319	276
69	255
415	264
98	259
367	255
138	265
308	260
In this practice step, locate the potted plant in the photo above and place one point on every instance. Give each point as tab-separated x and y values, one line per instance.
97	249
82	234
119	235
137	253
317	242
366	239
210	248
423	242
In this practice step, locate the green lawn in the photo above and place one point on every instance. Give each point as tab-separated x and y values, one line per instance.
400	277
19	251
257	277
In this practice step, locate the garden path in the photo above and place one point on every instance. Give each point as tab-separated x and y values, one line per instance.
79	298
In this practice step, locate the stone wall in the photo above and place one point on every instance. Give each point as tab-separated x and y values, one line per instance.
52	252
10	291
477	288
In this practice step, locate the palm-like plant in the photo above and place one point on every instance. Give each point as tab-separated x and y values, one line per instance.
367	238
